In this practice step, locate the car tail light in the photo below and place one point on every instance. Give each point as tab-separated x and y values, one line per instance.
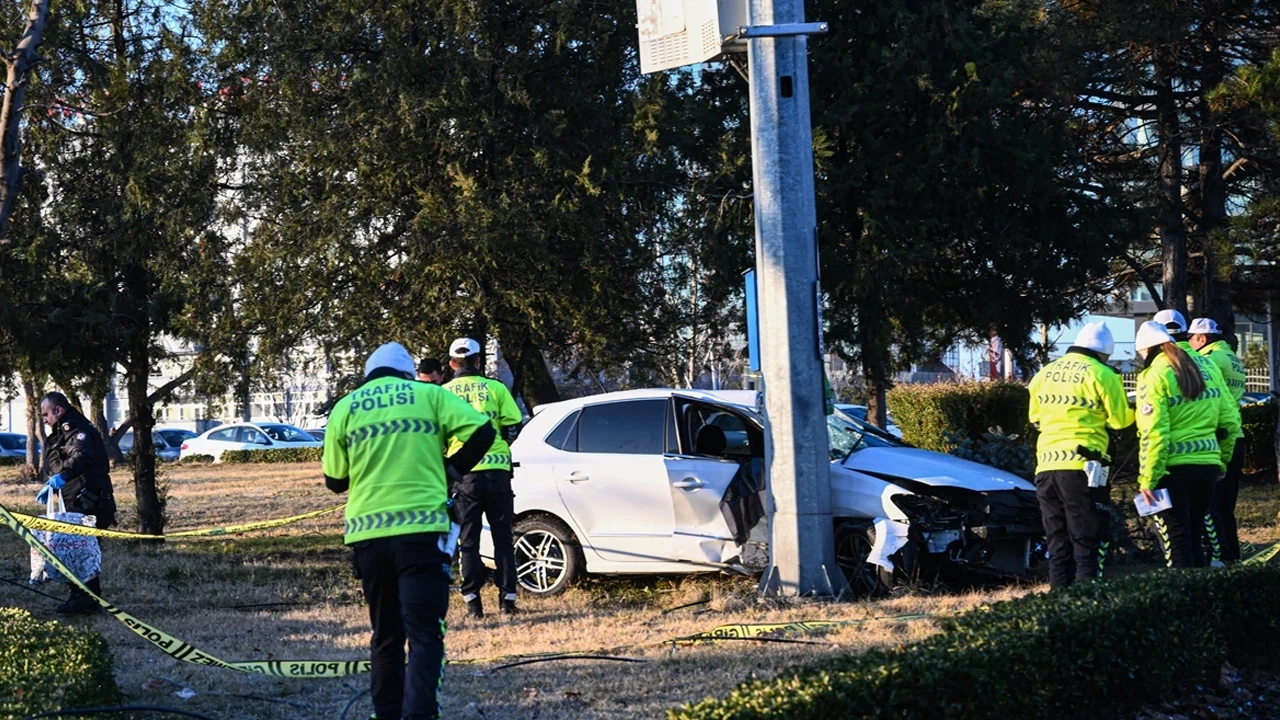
184	446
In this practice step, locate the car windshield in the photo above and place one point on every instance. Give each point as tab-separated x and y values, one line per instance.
847	436
286	433
176	437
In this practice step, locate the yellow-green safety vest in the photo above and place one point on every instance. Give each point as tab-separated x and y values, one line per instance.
1074	399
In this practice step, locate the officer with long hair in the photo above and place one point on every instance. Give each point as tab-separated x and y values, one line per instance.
1187	425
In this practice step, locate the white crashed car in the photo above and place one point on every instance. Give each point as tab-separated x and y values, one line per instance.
669	481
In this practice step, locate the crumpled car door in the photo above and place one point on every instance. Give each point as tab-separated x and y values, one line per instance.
698	487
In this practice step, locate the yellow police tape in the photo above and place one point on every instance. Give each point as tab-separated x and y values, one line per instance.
185	652
1263	556
764	630
179	650
42	523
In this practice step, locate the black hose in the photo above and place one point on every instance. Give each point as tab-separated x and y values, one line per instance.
26	586
750	639
614	658
351	702
118	709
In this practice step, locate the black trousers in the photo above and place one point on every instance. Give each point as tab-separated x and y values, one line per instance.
1077	525
487	493
406	583
1181	527
1223	510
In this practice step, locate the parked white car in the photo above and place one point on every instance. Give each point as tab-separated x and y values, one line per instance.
669	481
247	436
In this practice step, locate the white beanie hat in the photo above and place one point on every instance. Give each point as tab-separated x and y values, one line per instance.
1151	334
1096	336
392	355
1204	326
1171	317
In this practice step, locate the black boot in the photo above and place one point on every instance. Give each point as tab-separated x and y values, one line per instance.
507	605
474	608
79	602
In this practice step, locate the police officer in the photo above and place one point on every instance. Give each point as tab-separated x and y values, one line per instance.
385	445
1187	429
1207	340
1074	399
75	462
1176	325
487	489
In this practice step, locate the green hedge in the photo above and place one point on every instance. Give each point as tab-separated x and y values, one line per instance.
196	460
1259	423
45	666
277	455
7	461
938	416
1089	652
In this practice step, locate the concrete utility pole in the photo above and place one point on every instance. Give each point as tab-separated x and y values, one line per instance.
802	546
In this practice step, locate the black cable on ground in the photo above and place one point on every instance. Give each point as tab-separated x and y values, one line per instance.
686	605
26	586
614	658
118	709
351	702
749	639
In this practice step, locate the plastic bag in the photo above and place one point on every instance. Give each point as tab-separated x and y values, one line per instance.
80	553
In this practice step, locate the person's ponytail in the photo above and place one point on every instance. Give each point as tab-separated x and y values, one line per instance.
1190	381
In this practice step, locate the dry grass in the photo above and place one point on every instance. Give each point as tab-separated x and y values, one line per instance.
308	607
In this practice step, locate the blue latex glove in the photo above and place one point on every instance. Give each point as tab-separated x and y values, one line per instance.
54	483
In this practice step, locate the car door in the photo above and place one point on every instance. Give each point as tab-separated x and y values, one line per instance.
611	477
218	442
700	476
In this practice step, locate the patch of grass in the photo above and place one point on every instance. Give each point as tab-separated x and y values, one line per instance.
1258	506
289	593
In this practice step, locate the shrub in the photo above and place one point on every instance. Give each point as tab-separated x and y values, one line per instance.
46	666
937	417
1259	424
1094	650
196	460
1006	452
11	461
276	455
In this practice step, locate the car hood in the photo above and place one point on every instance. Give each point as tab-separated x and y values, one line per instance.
933	468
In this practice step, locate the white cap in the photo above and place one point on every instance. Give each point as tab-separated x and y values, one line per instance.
464	347
1151	334
392	355
1096	336
1204	326
1171	317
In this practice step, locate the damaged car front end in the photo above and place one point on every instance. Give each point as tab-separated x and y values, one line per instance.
905	513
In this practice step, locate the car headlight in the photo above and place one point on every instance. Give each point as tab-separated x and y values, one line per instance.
929	513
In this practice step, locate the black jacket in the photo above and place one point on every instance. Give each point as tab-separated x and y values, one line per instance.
75	449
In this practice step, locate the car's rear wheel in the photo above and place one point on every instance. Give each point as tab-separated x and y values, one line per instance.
853	549
548	557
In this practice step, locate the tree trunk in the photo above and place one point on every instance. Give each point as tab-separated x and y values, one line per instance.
18	69
531	377
150	508
1273	358
1173	234
875	359
1218	252
32	392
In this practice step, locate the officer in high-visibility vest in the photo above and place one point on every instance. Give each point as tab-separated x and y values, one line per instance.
1207	340
486	490
1074	399
385	444
1176	325
1187	426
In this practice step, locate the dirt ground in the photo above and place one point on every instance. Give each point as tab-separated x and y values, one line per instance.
288	594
